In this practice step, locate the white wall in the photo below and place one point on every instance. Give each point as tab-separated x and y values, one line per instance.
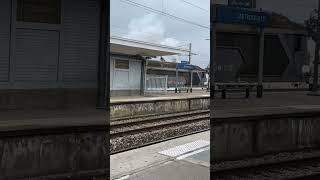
125	79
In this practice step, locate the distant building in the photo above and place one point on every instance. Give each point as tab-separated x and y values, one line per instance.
184	80
129	63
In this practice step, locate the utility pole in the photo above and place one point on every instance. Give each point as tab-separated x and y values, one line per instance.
191	73
316	56
190	47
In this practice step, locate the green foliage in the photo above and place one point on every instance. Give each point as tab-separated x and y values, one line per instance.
312	25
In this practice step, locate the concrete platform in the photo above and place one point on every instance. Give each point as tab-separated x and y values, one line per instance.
279	122
15	120
272	103
270	99
53	144
159	97
234	106
124	107
148	163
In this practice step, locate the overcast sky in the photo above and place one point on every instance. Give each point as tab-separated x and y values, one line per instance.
138	23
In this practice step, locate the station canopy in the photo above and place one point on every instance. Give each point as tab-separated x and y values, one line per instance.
120	45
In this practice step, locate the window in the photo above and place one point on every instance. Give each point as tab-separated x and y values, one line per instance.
39	11
122	64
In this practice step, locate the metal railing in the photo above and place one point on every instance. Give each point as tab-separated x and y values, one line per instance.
156	84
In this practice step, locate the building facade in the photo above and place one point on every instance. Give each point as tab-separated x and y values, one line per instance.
125	75
49	52
287	48
128	64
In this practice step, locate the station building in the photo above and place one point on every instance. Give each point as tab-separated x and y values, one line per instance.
50	52
289	52
130	63
183	76
285	53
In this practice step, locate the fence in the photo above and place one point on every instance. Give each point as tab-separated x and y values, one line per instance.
156	84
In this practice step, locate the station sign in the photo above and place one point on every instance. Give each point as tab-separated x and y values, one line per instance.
241	3
234	15
185	66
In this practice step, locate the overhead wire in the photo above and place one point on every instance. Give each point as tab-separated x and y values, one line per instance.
163	13
194	5
130	2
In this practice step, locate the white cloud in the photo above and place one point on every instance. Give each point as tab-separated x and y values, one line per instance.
170	42
151	29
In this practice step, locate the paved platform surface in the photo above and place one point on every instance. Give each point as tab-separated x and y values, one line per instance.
270	99
179	159
36	119
234	105
154	97
271	103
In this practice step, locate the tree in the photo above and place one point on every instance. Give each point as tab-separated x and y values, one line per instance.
312	26
208	68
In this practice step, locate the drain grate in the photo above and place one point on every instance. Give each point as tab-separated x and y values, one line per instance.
182	149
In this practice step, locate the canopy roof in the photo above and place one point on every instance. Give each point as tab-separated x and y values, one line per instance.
120	45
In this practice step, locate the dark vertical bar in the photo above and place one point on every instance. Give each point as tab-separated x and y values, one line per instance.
103	90
212	48
143	77
212	59
107	78
254	3
260	65
176	89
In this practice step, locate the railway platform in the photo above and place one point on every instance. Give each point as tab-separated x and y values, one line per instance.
53	144
16	120
270	99
133	106
178	159
280	122
155	97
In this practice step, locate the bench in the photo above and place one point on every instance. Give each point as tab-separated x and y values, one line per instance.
182	89
235	87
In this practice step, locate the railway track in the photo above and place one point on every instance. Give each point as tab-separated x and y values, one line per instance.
301	168
131	133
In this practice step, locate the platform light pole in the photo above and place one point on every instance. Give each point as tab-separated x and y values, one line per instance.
260	65
191	73
176	89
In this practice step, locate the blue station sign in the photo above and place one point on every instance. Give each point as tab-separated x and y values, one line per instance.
241	3
184	65
234	15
